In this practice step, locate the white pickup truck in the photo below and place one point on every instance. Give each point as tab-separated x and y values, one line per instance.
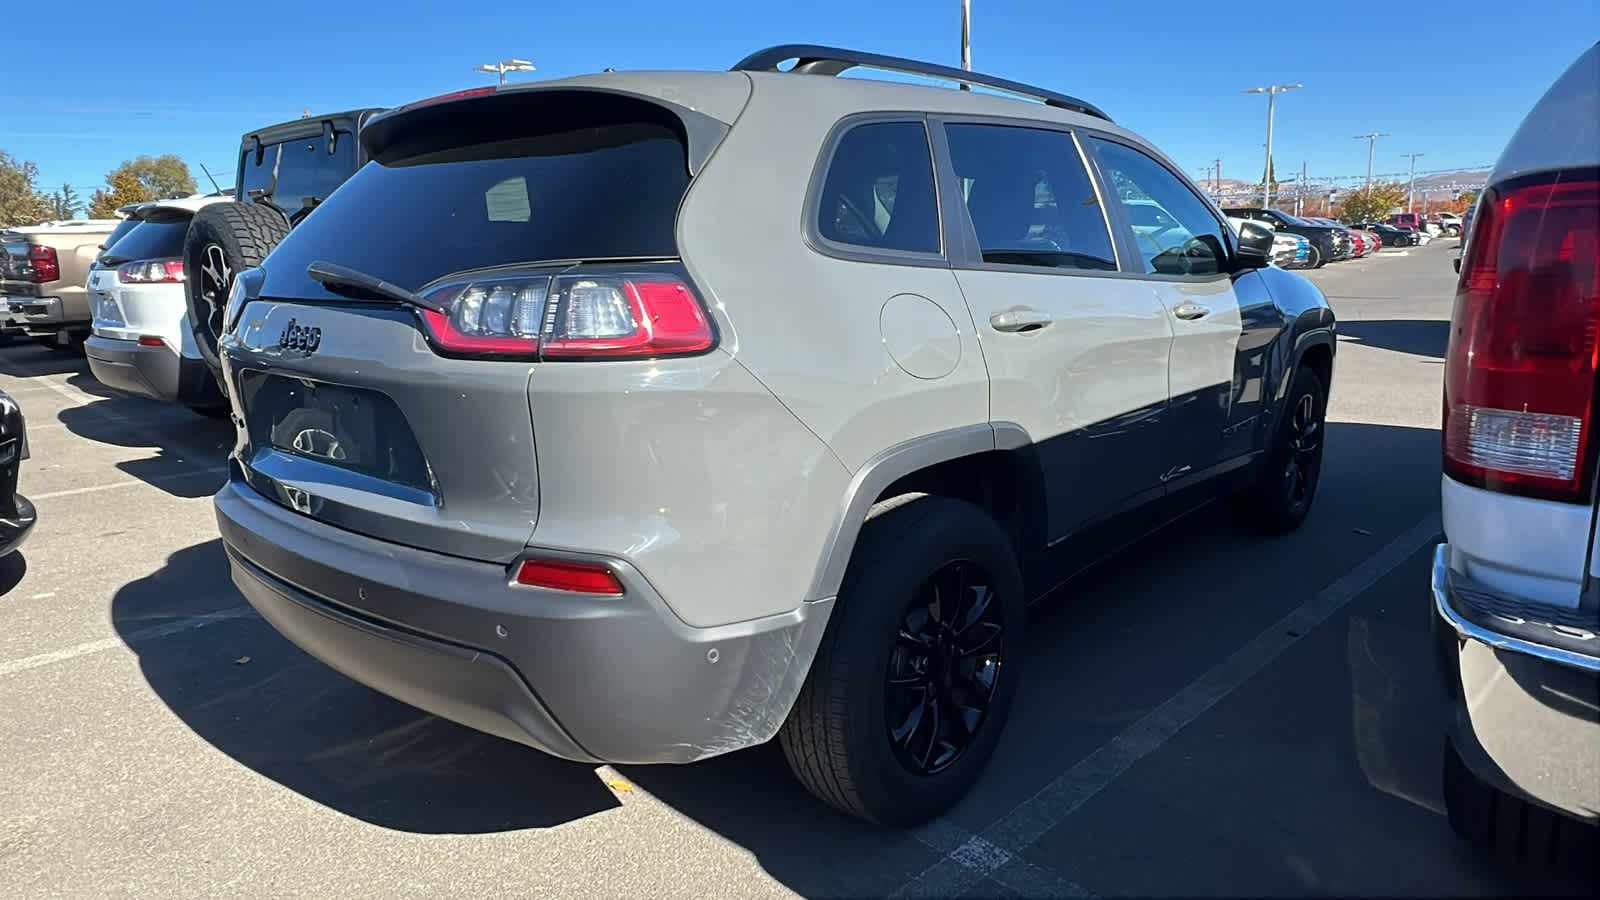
1516	585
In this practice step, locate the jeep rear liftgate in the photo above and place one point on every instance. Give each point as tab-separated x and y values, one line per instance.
383	364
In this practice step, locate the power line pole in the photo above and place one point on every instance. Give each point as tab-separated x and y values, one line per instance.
1411	185
1300	197
1272	91
1218	164
1372	140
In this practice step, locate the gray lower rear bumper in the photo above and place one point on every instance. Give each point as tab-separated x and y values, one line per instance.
609	679
1524	715
159	373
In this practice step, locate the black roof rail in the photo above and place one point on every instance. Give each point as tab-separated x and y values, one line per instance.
813	59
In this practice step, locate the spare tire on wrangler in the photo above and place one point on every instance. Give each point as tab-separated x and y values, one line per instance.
223	240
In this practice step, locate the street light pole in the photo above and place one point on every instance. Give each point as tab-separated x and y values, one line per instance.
966	40
1272	91
504	66
1372	141
1411	182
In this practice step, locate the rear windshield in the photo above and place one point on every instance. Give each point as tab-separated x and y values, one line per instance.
305	172
600	192
148	240
123	227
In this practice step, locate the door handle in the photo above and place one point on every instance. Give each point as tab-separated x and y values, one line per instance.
1020	320
1188	309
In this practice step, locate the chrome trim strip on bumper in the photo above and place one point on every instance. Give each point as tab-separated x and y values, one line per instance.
1473	631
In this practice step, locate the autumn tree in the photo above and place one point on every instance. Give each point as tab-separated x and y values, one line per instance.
21	201
1371	203
160	176
125	188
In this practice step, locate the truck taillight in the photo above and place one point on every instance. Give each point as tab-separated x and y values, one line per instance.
43	266
1519	388
540	316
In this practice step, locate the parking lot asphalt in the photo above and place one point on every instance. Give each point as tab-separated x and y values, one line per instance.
1206	714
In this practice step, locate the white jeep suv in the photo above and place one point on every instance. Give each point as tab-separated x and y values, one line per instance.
645	416
1516	585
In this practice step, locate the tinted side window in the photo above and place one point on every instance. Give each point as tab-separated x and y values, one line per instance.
1029	198
1168	219
304	170
879	190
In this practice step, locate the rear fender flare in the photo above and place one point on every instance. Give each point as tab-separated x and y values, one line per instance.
883	470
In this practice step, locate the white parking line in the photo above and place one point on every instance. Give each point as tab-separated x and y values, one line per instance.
14	666
984	854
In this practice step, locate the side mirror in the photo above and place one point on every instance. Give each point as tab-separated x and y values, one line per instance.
1255	244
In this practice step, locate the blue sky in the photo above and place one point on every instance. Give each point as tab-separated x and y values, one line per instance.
1448	79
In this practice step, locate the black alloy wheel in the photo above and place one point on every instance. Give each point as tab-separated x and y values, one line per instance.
1303	464
944	667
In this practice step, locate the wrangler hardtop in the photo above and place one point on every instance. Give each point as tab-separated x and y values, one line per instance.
284	172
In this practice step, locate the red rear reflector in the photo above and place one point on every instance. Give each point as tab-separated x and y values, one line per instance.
150	340
560	575
1524	352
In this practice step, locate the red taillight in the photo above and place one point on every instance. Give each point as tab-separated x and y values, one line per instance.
43	265
561	575
446	98
1524	349
151	271
537	315
630	315
150	340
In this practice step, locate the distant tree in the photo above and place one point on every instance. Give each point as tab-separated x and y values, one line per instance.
160	176
1373	202
21	201
125	189
1467	198
66	203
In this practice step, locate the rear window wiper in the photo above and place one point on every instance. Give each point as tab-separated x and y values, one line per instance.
349	282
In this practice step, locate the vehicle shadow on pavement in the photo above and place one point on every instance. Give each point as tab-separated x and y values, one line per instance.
1417	337
191	450
266	704
24	358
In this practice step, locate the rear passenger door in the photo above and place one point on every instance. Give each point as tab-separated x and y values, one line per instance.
1077	352
1183	250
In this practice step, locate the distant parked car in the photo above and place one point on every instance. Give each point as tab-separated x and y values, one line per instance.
16	513
142	342
1409	220
1289	251
1449	223
1390	235
1328	243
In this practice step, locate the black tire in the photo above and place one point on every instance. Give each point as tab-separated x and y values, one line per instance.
837	738
1497	823
223	240
1283	493
1315	261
